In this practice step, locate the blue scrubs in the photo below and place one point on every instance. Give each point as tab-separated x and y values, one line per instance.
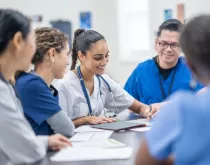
181	129
144	83
39	102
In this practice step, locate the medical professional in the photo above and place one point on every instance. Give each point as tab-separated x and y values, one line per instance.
86	91
18	143
155	79
40	98
179	134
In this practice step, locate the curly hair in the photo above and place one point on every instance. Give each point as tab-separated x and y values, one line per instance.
47	38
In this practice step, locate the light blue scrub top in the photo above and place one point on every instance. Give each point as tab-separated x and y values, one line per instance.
182	129
144	82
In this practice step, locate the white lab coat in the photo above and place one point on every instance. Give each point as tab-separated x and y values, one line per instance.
73	101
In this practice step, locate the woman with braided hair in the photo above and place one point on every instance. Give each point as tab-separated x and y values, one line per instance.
39	97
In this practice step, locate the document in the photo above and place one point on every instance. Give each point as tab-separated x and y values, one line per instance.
87	136
91	153
141	129
87	128
145	121
107	143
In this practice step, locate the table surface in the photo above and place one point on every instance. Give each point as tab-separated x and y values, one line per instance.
131	138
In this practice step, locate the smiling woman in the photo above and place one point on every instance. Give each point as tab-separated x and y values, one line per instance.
86	91
39	97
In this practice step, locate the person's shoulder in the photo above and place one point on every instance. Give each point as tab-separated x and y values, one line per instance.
110	81
69	78
29	81
26	78
3	86
146	64
106	77
181	96
185	100
182	61
7	92
183	67
69	82
192	106
174	107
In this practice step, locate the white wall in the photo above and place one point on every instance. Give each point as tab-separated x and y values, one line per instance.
104	20
197	7
103	15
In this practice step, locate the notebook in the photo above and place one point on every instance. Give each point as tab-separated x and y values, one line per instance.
119	125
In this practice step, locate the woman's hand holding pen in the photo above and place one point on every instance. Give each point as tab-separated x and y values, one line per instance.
148	111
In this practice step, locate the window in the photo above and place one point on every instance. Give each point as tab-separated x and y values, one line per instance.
134	38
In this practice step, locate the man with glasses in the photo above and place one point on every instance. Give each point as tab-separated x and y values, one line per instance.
157	78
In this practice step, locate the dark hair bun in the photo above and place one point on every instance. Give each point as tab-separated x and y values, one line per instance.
78	32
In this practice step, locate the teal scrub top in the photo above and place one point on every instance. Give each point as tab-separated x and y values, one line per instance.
144	84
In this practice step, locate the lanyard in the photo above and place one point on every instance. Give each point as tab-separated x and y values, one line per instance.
85	90
170	87
86	94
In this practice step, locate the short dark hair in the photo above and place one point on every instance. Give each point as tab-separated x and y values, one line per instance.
83	40
195	40
11	22
171	25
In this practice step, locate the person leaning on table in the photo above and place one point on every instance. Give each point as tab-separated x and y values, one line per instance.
18	143
179	134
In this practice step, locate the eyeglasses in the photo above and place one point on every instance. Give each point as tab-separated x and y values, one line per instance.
164	45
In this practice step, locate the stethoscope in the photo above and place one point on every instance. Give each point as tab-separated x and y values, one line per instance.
87	97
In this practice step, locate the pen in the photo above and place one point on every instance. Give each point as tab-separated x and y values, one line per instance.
150	108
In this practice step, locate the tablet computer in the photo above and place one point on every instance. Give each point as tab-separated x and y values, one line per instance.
119	125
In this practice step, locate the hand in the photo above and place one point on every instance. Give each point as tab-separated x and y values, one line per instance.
145	111
150	114
57	142
99	120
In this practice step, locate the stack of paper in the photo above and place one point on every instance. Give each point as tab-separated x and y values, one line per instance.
141	129
108	143
87	128
93	144
144	121
88	136
91	153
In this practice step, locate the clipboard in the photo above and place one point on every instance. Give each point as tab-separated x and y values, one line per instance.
119	125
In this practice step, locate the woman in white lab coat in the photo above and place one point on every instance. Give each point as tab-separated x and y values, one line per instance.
86	91
18	143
